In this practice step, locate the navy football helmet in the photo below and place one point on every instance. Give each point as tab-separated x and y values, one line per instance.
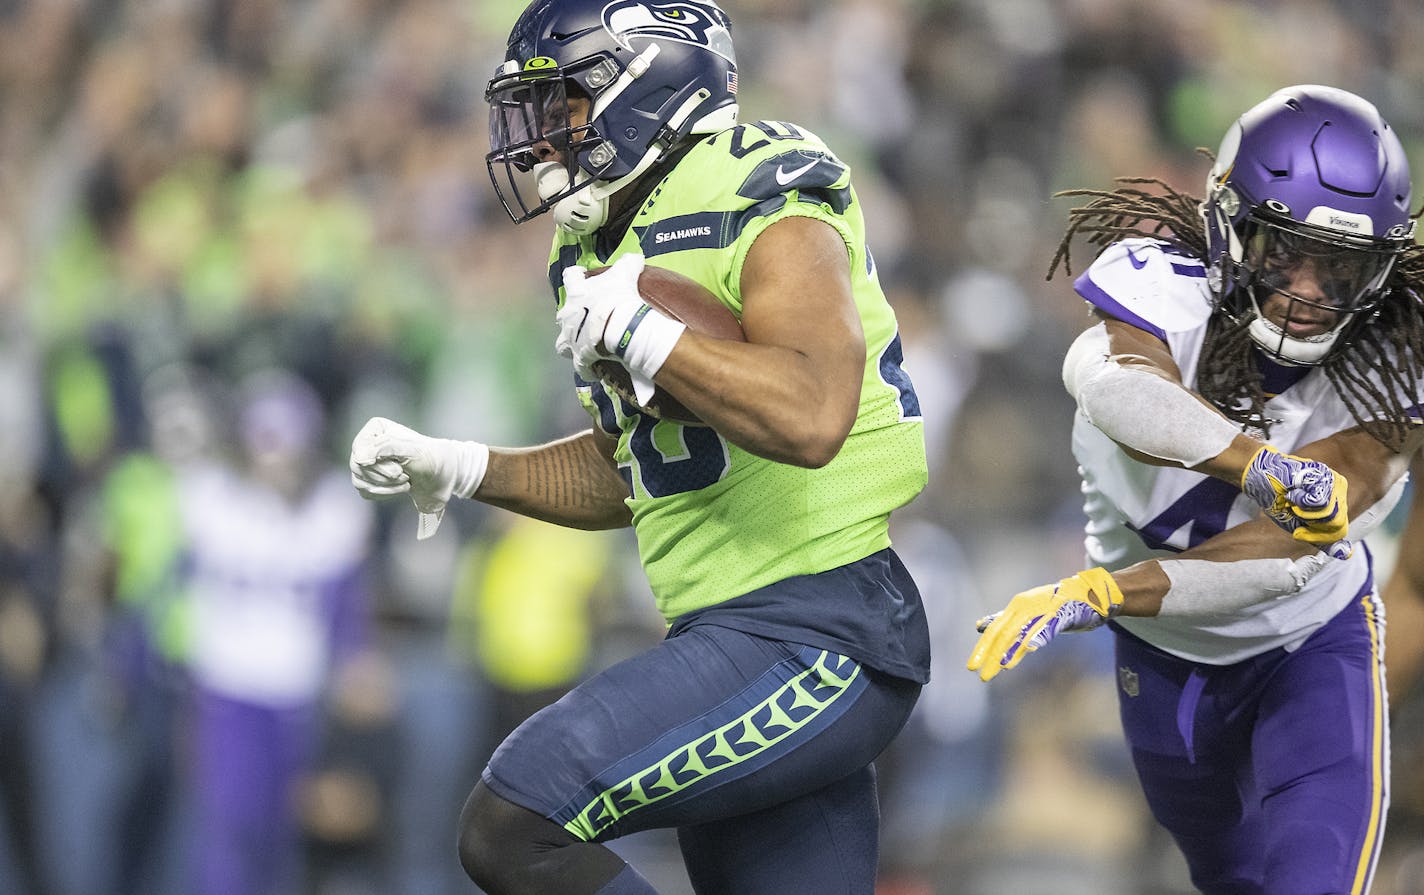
1311	176
652	72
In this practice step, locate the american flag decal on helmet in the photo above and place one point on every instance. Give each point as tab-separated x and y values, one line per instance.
731	82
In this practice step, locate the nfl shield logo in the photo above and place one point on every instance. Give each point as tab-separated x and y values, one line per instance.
1127	679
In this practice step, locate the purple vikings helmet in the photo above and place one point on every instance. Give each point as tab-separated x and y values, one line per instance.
1312	173
654	72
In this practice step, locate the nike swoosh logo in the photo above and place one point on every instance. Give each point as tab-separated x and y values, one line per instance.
1137	263
786	177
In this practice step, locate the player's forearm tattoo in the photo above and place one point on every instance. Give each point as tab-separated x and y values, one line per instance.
567	482
570	476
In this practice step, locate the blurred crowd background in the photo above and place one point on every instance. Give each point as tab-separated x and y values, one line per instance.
234	229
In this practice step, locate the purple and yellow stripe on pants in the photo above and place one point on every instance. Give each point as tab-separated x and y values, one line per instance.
1271	774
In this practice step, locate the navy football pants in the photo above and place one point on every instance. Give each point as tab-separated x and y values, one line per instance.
758	751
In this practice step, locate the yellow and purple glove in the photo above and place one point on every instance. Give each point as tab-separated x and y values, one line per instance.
1304	497
1034	617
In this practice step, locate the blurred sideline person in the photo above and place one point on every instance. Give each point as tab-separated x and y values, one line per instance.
798	644
1251	681
147	637
1404	599
276	575
530	620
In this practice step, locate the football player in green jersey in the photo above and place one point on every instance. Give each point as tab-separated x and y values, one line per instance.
797	643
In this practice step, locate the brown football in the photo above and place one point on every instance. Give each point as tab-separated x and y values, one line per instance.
688	301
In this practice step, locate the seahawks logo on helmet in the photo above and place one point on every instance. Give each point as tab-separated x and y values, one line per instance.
701	24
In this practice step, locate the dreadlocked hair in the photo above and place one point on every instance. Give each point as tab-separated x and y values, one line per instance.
1390	343
1128	211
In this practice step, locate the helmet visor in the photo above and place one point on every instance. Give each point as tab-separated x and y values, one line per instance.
530	122
527	110
1335	273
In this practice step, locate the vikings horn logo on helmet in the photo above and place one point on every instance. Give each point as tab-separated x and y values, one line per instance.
699	23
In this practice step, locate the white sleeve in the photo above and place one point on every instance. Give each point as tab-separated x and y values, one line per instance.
1139	409
1203	587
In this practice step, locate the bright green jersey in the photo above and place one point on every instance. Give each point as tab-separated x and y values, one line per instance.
713	521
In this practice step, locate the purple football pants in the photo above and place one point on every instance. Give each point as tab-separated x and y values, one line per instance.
247	761
1271	774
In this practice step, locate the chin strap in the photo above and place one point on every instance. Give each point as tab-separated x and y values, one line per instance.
583	211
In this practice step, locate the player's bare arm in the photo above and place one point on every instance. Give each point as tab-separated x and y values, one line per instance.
572	482
790	392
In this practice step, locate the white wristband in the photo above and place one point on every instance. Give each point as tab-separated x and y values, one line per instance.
468	461
471	460
647	340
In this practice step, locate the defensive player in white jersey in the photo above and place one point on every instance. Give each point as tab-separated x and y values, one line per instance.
1282	314
798	644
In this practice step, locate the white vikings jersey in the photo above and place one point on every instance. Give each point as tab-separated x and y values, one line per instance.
270	581
1137	511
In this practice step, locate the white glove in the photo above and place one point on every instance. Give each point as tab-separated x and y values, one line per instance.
388	458
604	317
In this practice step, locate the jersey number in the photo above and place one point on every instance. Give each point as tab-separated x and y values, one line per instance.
765	132
698	459
1204	507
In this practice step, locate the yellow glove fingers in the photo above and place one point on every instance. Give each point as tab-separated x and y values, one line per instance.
985	647
1326	528
1328	515
1003	644
1335	513
1318	536
989	650
1303	496
1007	636
1007	629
